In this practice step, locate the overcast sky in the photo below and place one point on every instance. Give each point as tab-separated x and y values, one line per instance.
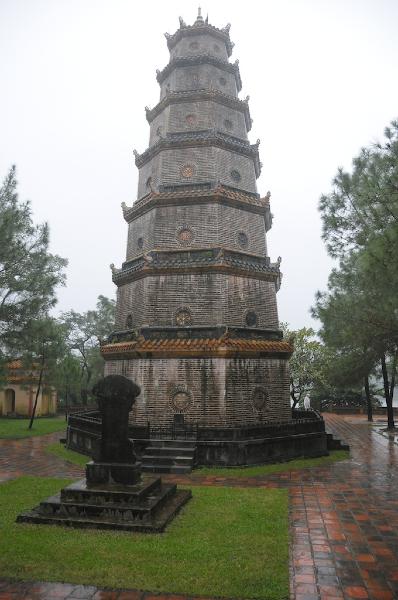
75	76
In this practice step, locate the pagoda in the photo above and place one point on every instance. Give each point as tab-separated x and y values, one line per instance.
197	322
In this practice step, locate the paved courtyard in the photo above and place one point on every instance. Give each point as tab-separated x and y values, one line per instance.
343	518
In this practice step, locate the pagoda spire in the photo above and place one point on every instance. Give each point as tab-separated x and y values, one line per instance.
199	18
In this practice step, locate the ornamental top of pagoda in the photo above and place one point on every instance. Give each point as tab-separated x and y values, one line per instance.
200	26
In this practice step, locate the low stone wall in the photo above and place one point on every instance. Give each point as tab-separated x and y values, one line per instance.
359	410
229	446
260	451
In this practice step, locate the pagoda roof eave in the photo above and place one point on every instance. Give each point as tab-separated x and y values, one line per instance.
219	347
201	94
189	260
189	61
220	194
209	137
191	30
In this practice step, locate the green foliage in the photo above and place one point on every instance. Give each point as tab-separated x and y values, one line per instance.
29	274
306	363
360	226
225	542
67	380
42	344
85	331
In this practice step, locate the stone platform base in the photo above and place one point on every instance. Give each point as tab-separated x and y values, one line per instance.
102	473
146	507
258	451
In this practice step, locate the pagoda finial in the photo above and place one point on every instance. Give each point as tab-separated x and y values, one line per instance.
199	18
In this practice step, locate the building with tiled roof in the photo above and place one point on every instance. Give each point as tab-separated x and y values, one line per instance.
18	393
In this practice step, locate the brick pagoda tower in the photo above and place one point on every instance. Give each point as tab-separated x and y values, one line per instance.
197	322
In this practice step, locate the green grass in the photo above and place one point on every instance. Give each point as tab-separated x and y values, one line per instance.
73	457
14	429
292	465
229	542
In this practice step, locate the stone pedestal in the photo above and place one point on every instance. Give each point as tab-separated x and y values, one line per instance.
98	473
146	507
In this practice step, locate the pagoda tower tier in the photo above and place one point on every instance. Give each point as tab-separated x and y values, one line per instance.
197	321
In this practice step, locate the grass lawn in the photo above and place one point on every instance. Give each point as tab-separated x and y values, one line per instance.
74	457
226	542
14	429
292	465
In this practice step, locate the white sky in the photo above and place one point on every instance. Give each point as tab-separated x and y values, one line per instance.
75	76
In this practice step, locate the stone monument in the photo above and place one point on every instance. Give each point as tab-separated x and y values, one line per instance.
114	458
114	494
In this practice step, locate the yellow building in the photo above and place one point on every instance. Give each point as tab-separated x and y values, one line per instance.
18	395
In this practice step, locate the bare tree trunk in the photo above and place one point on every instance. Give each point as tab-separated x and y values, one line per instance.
393	372
388	397
293	397
32	418
66	403
368	399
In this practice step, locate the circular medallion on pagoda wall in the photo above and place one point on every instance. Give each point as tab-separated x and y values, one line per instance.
194	45
228	124
181	399
140	243
187	171
243	240
191	120
129	321
222	81
235	175
183	317
251	319
260	398
185	235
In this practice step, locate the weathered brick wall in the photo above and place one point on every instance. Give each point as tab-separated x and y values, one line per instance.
198	44
209	164
221	390
198	77
212	298
207	115
212	225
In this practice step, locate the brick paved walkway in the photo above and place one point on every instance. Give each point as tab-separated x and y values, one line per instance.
343	518
27	457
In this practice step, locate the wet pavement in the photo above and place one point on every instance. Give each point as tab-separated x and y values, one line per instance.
343	517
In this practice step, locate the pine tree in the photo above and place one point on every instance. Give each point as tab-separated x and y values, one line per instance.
29	273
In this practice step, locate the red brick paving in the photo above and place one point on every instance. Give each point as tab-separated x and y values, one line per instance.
27	457
343	518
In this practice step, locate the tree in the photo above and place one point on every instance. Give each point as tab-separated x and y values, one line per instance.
41	346
29	273
360	227
85	333
67	379
306	362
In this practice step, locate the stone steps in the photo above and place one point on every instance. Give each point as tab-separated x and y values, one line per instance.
148	506
169	456
335	443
